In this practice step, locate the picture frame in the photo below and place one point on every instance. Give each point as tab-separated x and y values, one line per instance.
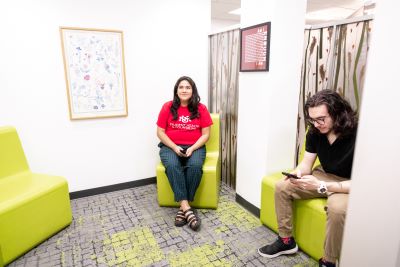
254	47
94	72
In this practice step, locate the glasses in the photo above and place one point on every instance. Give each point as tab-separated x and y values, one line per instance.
319	120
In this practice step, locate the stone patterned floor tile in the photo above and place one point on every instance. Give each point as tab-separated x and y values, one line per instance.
128	228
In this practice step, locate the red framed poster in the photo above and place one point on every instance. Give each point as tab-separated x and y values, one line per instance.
254	47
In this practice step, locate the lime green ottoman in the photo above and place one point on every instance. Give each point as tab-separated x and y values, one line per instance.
33	206
208	191
1	259
309	217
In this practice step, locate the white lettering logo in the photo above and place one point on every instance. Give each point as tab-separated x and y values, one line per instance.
184	119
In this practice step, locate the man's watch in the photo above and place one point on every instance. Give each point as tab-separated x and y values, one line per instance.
322	189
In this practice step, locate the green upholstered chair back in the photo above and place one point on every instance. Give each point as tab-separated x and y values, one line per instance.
301	155
12	157
302	151
212	144
1	258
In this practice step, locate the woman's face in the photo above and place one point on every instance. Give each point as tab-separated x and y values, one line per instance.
184	91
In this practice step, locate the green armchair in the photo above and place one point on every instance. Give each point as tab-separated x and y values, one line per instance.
309	217
208	191
33	206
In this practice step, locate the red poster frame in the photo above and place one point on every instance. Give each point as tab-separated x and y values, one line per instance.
254	47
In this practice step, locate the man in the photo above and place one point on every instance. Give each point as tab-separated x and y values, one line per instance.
331	138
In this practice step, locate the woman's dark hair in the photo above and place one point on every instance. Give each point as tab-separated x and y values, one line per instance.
344	118
193	101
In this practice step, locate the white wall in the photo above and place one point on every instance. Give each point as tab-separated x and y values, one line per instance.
268	101
164	39
372	231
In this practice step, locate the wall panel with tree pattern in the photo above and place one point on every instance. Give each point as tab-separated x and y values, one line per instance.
335	57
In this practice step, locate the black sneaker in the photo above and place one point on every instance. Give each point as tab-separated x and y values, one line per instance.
323	263
278	248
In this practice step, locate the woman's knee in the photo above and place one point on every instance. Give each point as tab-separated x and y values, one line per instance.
172	165
196	162
169	160
196	165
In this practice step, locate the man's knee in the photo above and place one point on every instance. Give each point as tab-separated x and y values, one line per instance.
281	186
336	209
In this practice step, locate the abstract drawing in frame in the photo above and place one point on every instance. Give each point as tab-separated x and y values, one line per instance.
94	72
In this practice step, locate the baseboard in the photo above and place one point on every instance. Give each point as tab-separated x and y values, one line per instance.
247	205
111	188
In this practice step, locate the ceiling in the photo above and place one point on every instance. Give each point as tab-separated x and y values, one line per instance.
220	9
318	11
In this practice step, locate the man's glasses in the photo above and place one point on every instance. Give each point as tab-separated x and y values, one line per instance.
319	121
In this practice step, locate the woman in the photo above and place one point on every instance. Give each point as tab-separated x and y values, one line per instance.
183	127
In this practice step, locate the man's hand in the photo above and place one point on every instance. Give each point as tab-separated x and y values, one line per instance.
295	172
308	182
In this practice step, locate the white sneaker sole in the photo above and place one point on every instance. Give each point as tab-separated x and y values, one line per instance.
285	252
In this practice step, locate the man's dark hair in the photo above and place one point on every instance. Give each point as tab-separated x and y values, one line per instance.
344	118
193	101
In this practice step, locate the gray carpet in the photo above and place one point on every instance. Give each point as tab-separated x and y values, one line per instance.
128	228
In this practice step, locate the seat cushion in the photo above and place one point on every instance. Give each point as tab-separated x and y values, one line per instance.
267	213
32	208
18	189
309	225
207	193
309	217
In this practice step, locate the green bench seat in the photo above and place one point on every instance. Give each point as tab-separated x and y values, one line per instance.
309	216
33	206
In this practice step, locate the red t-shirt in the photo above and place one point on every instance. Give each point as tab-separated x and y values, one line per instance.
183	130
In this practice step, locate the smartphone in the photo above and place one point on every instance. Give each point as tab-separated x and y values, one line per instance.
183	150
291	175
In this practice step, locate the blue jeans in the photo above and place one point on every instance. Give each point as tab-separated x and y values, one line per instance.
184	174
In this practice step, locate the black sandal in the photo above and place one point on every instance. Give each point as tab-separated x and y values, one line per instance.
180	219
192	219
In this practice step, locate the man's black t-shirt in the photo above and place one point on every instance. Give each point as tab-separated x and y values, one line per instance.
337	158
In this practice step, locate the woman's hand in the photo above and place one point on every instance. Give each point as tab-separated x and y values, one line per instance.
178	151
189	151
307	182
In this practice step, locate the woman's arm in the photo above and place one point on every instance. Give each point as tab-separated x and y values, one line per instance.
168	142
205	134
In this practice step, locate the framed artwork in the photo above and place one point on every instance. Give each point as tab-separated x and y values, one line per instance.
94	72
254	47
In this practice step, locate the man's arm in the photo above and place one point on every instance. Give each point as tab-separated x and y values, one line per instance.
305	166
304	170
338	187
